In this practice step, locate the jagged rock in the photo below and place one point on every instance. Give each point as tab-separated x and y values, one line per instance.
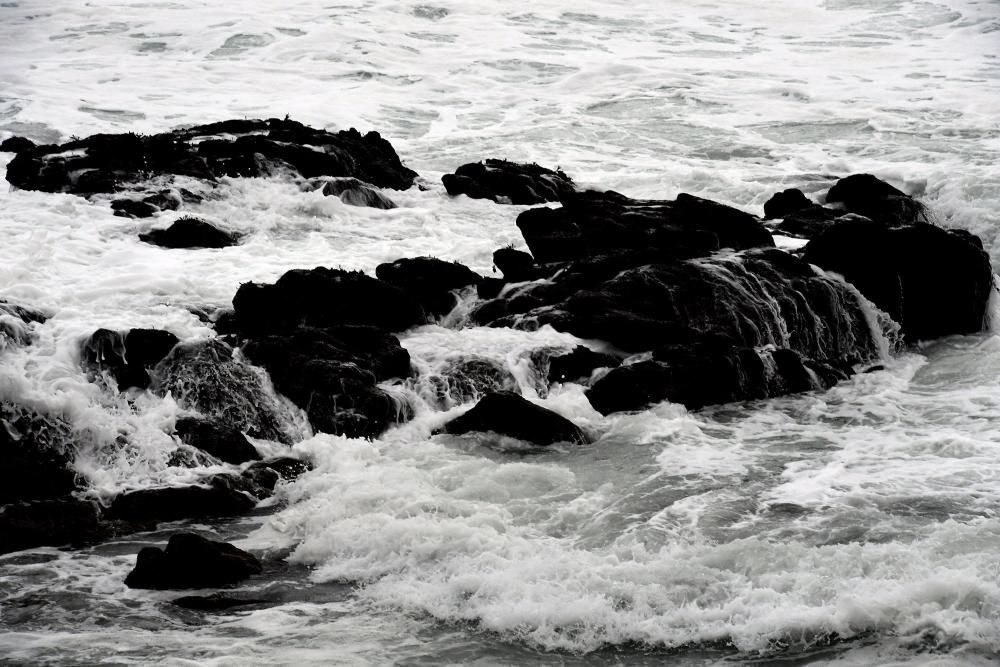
934	282
470	379
219	440
224	495
192	561
785	202
323	297
578	364
230	148
355	193
592	223
128	357
16	144
873	198
428	280
509	414
190	233
205	376
516	265
508	182
35	455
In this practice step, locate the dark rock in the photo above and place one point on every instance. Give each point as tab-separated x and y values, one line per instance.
223	496
286	467
470	379
164	200
16	144
217	602
321	298
516	265
126	358
220	440
206	377
595	223
579	364
231	148
49	523
508	414
17	324
428	280
809	221
130	208
490	288
932	281
192	561
355	193
873	198
785	202
190	233
508	182
35	455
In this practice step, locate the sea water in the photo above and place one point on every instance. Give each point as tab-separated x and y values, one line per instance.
860	525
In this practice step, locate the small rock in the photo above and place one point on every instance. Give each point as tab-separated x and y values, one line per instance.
508	414
356	193
508	182
190	233
192	561
130	208
222	441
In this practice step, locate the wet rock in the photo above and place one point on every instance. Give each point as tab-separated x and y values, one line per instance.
49	523
579	364
353	192
217	602
224	495
516	265
809	221
36	452
785	202
190	233
321	298
16	144
430	281
17	324
873	198
593	223
286	467
127	358
509	414
192	561
220	440
934	282
470	379
207	377
508	182
127	208
230	148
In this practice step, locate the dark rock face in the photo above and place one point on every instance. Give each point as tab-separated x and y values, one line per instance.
785	202
516	265
809	221
508	414
35	455
49	523
192	561
128	208
353	192
115	162
190	233
220	440
127	358
428	280
934	282
579	364
873	198
225	495
286	467
16	144
470	379
508	182
594	223
17	324
206	377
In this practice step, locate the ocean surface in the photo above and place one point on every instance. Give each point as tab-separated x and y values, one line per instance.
856	526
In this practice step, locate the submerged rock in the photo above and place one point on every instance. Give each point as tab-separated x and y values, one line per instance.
508	182
192	561
509	414
353	192
469	379
222	441
17	324
190	233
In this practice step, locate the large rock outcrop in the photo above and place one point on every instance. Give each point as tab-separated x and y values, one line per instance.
508	182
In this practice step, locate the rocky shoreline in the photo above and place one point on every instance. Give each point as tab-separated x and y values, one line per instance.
694	302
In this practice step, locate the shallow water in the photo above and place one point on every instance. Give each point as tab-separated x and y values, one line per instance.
857	526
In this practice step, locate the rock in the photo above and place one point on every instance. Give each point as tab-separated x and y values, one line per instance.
578	364
49	523
321	298
205	376
16	144
190	233
35	455
785	202
127	208
286	467
933	282
508	414
218	602
126	358
594	223
223	496
192	561
17	324
208	152
516	265
508	182
873	198
353	192
809	221
220	440
469	379
430	281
